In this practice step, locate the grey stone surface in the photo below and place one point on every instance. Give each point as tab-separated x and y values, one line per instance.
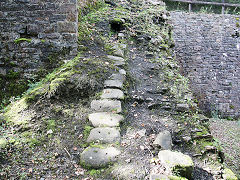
118	76
164	140
99	157
105	119
177	162
113	83
122	71
112	94
158	177
51	28
118	61
210	59
118	51
106	105
182	107
104	135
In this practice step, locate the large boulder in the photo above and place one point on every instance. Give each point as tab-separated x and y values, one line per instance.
179	164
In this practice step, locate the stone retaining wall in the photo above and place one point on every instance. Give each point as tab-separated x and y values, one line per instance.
209	56
34	36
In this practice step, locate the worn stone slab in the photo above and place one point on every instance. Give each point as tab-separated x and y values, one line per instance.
182	107
106	105
177	162
112	94
105	119
118	76
164	140
118	61
99	157
104	135
113	83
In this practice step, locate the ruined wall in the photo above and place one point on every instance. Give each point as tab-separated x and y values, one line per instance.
35	35
210	59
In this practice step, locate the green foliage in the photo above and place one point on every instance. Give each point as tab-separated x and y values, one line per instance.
19	40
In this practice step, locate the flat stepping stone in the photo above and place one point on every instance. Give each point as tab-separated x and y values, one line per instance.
104	135
99	157
105	119
117	76
118	61
113	84
106	105
112	94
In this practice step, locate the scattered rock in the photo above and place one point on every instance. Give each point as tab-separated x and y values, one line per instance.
164	139
187	138
118	61
182	107
122	71
105	119
121	35
112	94
104	135
99	157
113	84
106	105
179	163
118	51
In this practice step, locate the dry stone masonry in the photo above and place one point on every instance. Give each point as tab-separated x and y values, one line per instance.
34	36
106	119
207	49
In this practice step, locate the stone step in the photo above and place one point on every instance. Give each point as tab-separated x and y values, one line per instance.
104	135
113	84
99	157
106	105
118	76
105	119
117	61
112	94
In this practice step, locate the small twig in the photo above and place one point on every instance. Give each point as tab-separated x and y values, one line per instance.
68	153
148	149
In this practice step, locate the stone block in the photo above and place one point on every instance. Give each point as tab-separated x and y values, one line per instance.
106	106
104	135
99	157
105	119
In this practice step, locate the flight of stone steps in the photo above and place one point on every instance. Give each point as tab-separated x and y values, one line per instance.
105	136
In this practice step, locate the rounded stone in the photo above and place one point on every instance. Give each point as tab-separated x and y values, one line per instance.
177	162
105	119
106	105
112	94
99	157
104	135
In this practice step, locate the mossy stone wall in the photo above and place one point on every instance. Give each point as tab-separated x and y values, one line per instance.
35	37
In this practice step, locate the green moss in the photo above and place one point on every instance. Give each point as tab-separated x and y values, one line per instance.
86	131
3	143
16	113
229	175
94	172
19	40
